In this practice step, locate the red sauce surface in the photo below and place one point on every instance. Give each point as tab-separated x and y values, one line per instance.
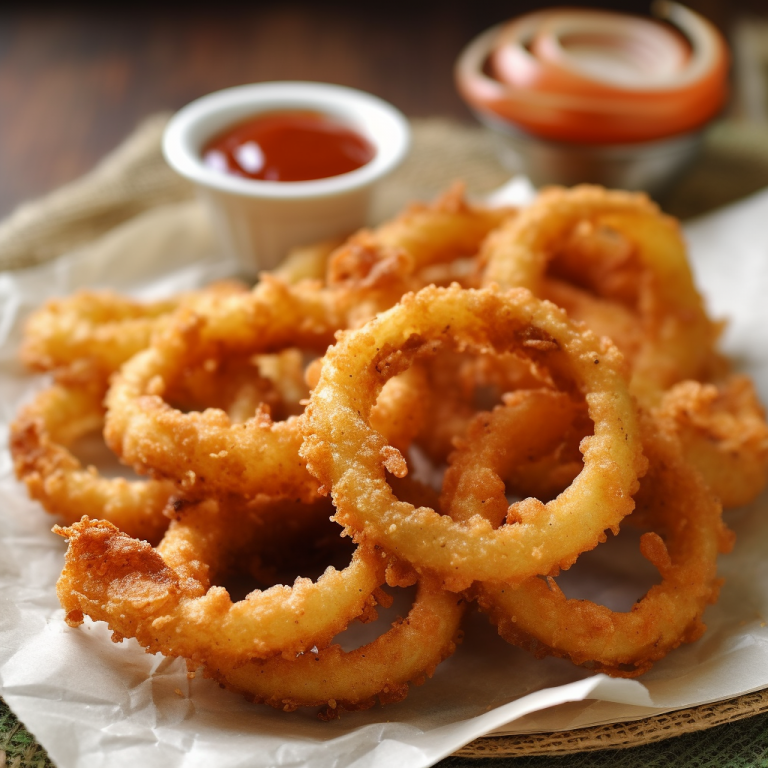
288	146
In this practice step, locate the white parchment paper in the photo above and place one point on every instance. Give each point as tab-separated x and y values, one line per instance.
94	703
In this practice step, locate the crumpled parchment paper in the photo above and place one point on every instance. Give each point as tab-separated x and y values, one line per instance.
94	703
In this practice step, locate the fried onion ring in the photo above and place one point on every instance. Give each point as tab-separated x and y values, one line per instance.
536	615
103	329
162	598
350	459
44	428
649	274
530	424
204	451
352	680
421	237
723	434
467	383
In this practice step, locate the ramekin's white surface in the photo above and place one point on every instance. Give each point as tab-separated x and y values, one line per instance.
261	220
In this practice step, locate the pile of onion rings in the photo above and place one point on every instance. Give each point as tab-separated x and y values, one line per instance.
463	400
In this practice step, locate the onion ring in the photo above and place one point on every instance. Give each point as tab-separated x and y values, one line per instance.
723	434
205	452
678	337
523	76
402	254
474	483
345	681
162	598
103	329
46	428
350	459
466	383
53	475
537	616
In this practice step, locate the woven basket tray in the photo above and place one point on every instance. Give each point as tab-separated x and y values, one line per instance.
620	735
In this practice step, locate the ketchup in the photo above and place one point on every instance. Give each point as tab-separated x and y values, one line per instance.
288	146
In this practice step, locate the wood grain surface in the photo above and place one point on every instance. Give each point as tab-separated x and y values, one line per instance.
76	79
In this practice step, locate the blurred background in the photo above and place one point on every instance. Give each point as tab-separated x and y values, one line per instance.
75	81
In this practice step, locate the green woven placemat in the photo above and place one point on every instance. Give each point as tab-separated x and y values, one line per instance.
18	747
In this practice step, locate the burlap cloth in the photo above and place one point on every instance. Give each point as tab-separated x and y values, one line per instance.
135	178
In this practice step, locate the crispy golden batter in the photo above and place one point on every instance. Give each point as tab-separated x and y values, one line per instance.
165	600
484	391
350	459
40	437
676	502
343	681
627	259
723	434
102	328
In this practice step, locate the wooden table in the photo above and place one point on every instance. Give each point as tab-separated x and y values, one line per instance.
75	82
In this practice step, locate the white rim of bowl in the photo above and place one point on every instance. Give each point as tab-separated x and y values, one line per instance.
192	126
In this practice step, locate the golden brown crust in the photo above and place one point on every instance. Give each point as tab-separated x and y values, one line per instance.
524	393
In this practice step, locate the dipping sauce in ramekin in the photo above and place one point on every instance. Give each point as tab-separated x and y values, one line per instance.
296	145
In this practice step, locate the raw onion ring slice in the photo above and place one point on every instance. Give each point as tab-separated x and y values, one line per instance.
523	74
532	52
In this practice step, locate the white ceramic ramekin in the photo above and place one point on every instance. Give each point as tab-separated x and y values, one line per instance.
259	221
